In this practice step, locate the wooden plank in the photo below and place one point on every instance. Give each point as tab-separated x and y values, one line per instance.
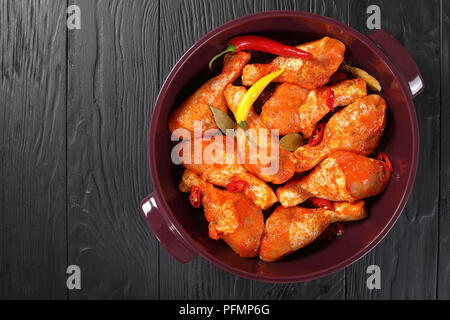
337	9
182	23
443	291
268	5
333	286
33	150
408	255
111	89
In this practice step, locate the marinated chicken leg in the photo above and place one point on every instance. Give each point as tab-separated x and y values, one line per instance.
257	147
344	176
293	109
197	106
327	53
281	110
231	216
357	128
218	163
315	107
289	229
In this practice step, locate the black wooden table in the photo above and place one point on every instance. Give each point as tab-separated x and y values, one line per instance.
74	113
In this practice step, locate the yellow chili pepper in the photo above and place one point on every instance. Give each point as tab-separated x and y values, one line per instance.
253	94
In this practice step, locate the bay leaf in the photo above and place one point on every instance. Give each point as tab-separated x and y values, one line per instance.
372	83
223	120
292	141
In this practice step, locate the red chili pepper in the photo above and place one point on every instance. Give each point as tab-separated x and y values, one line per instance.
259	43
385	161
195	197
322	203
237	186
317	135
330	99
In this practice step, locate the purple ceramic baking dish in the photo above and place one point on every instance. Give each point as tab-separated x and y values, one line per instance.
182	230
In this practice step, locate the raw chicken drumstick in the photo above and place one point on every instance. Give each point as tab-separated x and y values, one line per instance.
252	149
357	128
293	109
231	216
315	107
222	168
197	106
344	176
281	110
327	55
289	229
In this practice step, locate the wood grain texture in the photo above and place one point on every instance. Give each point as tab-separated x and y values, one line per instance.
336	9
32	150
333	286
408	255
268	5
443	284
112	86
182	24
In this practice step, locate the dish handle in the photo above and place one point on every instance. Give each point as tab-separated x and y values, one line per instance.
401	58
166	233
